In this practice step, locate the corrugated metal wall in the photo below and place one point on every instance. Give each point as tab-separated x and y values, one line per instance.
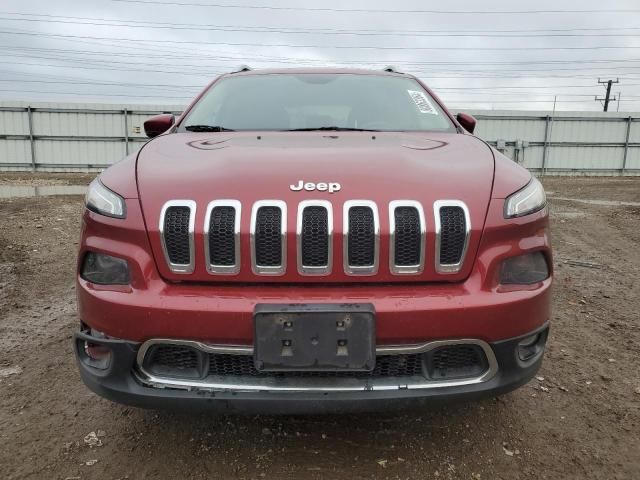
71	137
593	143
80	137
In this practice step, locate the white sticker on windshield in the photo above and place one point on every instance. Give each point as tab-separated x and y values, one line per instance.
422	102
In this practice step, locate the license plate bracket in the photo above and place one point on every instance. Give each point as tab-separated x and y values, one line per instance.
314	337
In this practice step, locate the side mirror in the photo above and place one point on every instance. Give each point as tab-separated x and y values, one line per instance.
158	124
467	122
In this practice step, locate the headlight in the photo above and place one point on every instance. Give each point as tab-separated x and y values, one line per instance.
105	202
528	200
524	269
105	269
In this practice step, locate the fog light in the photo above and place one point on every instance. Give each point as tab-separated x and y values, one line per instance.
105	269
531	346
524	269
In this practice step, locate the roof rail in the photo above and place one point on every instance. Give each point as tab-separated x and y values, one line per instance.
242	68
391	69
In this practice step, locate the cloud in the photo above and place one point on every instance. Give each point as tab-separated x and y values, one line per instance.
154	53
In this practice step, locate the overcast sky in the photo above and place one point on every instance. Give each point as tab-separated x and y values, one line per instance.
165	51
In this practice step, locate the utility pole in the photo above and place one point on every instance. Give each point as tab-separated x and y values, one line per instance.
607	97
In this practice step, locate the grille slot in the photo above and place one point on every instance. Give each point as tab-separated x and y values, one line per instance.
457	361
174	361
315	237
176	230
222	237
361	237
452	235
407	234
314	232
268	240
268	237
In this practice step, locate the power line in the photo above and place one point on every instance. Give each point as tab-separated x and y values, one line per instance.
95	94
298	60
485	91
63	54
459	101
163	49
205	68
114	84
207	73
228	28
195	26
369	10
88	82
527	86
93	68
353	47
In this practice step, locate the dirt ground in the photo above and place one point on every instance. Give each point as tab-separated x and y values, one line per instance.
579	419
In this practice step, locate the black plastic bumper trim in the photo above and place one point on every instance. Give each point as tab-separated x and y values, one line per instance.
118	383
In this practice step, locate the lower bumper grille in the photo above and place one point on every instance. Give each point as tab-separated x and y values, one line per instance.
457	361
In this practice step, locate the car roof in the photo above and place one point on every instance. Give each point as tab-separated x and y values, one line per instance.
318	70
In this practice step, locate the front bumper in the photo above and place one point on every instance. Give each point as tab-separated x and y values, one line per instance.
122	382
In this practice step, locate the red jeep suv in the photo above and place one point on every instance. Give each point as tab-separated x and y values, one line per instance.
312	240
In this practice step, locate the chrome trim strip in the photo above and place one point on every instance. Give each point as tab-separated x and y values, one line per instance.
355	269
313	270
450	267
179	267
406	269
268	269
223	269
250	384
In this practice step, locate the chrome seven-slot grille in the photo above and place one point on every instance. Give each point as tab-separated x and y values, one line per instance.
447	362
361	236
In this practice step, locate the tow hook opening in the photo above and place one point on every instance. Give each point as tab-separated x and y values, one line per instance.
95	354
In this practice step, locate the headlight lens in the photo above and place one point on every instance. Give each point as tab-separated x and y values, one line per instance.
524	269
105	269
528	200
105	202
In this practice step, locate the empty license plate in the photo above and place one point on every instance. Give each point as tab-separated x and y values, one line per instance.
314	337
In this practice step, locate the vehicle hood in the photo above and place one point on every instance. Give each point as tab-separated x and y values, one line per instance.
249	167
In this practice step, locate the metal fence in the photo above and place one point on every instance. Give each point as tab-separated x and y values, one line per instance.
89	137
565	143
67	138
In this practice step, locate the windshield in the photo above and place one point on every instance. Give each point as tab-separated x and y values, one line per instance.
317	101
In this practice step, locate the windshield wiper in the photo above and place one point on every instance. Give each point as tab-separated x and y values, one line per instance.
332	129
207	128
